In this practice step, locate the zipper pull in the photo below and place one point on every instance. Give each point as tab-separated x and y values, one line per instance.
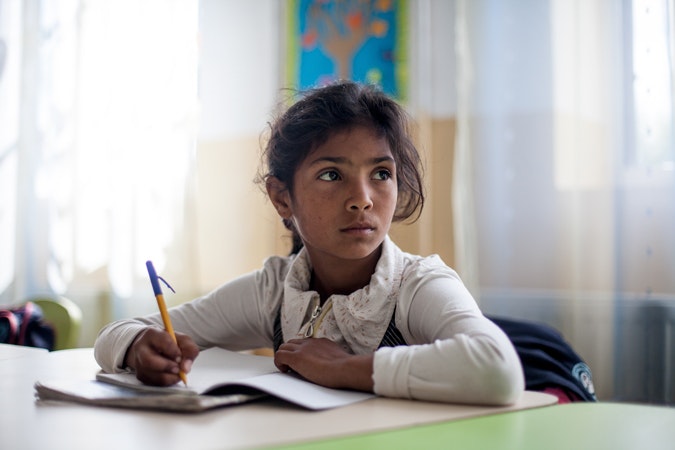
310	329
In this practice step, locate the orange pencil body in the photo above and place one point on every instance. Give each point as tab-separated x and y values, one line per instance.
157	289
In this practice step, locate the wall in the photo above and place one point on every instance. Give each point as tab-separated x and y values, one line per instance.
236	227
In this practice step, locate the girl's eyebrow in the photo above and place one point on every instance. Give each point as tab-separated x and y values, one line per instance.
346	161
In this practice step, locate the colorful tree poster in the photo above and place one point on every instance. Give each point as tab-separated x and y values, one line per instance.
360	40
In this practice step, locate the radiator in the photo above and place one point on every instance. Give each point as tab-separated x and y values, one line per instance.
645	351
659	364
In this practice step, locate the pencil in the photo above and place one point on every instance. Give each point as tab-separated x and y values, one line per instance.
157	289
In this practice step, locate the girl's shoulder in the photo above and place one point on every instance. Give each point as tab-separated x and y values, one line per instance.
420	267
277	267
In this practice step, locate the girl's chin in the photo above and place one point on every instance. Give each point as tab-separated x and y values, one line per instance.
348	251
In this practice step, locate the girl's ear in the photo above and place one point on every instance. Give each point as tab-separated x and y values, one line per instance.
280	197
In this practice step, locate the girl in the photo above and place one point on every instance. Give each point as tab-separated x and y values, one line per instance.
347	309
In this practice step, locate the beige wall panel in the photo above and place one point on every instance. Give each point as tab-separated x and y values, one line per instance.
433	232
236	226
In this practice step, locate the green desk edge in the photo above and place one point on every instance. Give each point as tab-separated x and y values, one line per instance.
597	426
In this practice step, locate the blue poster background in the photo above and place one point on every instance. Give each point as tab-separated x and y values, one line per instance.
368	36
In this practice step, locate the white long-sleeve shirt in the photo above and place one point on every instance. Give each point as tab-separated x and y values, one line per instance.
454	354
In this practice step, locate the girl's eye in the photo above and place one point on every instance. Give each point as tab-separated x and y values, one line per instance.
382	174
329	175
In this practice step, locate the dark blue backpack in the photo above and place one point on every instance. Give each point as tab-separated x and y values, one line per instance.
548	360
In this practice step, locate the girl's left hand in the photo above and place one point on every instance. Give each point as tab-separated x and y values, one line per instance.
324	362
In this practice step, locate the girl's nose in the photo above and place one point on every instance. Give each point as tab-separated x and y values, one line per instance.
359	198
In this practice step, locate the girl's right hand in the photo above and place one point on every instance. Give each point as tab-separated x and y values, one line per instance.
156	358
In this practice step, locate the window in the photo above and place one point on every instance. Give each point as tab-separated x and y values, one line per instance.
652	144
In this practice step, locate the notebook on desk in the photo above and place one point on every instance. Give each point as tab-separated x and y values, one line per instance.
218	378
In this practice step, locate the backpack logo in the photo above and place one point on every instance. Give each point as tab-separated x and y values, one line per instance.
582	372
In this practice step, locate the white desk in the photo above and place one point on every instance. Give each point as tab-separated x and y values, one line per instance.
34	425
8	351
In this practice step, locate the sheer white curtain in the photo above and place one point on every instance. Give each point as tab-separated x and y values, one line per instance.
567	117
97	135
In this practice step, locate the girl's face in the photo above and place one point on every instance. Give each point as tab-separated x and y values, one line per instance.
344	196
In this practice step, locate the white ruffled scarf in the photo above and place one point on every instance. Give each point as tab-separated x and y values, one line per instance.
356	321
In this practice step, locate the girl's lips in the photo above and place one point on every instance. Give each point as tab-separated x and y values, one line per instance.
359	228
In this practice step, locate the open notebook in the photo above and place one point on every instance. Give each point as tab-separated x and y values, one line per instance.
219	377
